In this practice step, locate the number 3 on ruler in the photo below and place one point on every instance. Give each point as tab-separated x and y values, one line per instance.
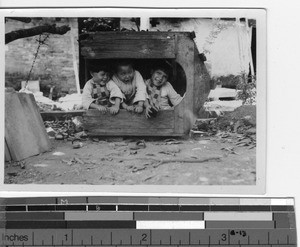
223	237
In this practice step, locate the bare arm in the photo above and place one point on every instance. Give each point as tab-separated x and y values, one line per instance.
116	107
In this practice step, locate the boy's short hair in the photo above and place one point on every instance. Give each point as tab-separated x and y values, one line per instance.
95	68
124	62
163	67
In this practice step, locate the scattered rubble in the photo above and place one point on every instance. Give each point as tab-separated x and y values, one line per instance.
138	145
69	128
237	127
73	161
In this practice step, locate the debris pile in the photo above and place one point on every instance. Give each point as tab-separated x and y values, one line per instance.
70	128
67	103
238	127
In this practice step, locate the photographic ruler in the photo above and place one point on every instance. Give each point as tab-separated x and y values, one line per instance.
147	221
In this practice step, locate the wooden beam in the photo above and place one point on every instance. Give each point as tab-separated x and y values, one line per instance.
60	115
74	61
126	123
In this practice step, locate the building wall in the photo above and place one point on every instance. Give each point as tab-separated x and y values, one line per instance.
224	43
226	50
54	63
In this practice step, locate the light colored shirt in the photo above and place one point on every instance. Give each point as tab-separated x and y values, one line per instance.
135	90
167	93
87	94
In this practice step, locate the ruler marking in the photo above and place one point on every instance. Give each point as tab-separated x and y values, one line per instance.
81	241
275	241
72	237
111	238
139	245
160	242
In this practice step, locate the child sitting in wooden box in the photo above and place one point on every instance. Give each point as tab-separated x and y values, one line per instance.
100	92
132	85
160	92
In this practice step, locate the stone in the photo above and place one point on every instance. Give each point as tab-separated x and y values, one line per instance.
51	131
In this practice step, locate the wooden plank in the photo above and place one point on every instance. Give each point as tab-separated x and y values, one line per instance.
75	67
129	48
201	85
185	57
24	129
179	124
131	132
60	115
7	152
133	35
31	110
125	123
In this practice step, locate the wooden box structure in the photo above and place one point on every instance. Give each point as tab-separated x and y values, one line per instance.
176	47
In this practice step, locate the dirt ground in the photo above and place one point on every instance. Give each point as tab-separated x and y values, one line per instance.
184	161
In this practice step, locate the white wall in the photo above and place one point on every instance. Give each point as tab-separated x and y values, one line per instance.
226	50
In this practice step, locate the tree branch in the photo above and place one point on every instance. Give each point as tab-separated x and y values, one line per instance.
24	33
22	19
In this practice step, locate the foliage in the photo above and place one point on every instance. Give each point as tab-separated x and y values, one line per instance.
247	89
104	24
99	24
218	26
228	81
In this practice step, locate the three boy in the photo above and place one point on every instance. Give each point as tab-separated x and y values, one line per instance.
128	90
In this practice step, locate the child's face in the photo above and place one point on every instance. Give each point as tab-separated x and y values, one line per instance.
159	77
125	73
100	77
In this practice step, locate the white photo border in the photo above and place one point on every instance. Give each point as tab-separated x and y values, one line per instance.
260	14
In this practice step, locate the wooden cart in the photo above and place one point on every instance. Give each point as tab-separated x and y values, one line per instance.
176	47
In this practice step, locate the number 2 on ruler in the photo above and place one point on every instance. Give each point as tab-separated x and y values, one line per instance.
144	237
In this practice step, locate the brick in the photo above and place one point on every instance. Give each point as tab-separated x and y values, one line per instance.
56	57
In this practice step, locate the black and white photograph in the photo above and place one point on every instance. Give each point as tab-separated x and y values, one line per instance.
153	98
